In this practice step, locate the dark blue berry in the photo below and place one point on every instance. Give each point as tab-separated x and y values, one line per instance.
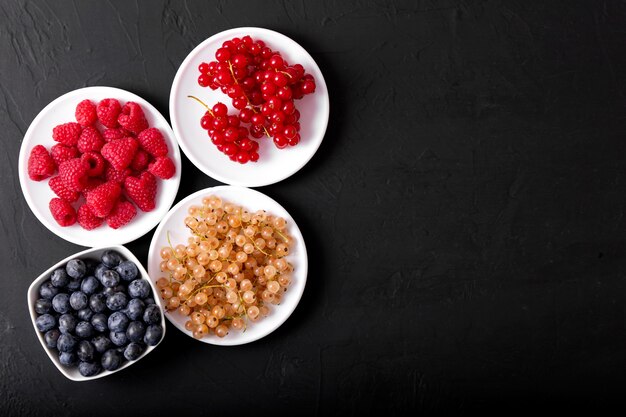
88	368
117	301
111	360
135	309
110	278
139	288
97	303
76	268
128	270
59	278
148	301
118	322
99	270
89	285
45	322
43	306
66	343
101	343
153	335
67	323
61	303
118	338
99	322
133	351
111	258
85	314
48	291
135	331
84	330
51	338
152	315
79	300
86	351
68	358
74	284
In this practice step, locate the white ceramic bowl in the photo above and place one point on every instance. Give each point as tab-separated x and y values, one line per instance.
39	194
33	295
274	164
253	201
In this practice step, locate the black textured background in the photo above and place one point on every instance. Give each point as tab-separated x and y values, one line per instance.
464	214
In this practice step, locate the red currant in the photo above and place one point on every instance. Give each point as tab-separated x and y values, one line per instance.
220	110
280	141
222	54
254	156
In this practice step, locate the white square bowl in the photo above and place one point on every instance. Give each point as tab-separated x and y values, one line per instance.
93	253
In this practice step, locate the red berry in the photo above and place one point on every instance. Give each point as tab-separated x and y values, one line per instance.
86	113
102	198
204	68
40	164
162	167
254	156
243	157
142	190
284	93
308	87
111	174
277	62
220	110
294	140
231	134
204	80
239	61
222	55
90	140
140	161
73	172
108	110
67	133
62	212
151	140
245	115
280	79
122	214
280	141
120	153
58	187
246	144
230	149
95	163
86	219
61	153
114	134
289	131
93	182
132	118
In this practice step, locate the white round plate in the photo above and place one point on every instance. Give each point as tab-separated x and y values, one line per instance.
39	194
178	232
274	164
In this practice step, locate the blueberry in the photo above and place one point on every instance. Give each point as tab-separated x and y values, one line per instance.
118	338
110	278
139	288
148	301
111	360
61	303
135	331
154	332
67	323
99	322
74	284
99	270
45	322
118	321
88	368
117	301
135	309
66	343
128	270
43	306
78	300
133	351
48	291
111	258
89	285
68	358
84	330
76	268
51	338
101	343
85	314
59	278
97	303
86	351
152	315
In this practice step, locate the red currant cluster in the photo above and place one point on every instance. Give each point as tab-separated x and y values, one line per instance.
262	87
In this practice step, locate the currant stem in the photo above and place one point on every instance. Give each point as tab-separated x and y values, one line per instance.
203	103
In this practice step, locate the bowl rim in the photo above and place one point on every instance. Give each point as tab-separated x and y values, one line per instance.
32	296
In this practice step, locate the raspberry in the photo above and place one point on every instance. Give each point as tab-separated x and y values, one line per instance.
86	113
90	140
93	182
142	190
151	140
96	163
63	212
122	214
112	134
87	219
40	164
132	118
67	133
111	174
73	172
61	153
162	167
108	110
140	161
102	198
58	187
120	152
